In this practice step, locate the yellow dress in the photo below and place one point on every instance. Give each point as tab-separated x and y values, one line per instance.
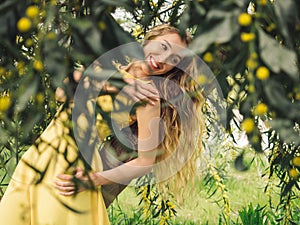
31	198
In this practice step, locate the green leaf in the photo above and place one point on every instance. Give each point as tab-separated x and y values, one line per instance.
276	95
286	131
24	98
220	28
286	12
277	57
53	61
87	36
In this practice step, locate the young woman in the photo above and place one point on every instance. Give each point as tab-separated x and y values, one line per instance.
166	141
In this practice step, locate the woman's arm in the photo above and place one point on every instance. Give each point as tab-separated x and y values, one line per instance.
148	141
134	89
148	118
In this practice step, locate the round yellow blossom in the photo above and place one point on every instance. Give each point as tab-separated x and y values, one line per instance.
201	79
294	173
263	2
24	24
246	37
253	55
296	161
255	139
29	42
251	63
245	19
4	103
102	25
250	76
39	98
248	125
8	74
271	27
32	12
208	57
38	65
260	109
21	68
51	35
262	73
2	71
251	88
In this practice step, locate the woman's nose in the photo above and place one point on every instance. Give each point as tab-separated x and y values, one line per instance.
164	57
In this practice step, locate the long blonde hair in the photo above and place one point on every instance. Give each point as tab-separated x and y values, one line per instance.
183	121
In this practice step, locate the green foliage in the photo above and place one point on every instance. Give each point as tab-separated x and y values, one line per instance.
253	215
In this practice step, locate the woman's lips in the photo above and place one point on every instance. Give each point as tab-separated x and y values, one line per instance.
153	63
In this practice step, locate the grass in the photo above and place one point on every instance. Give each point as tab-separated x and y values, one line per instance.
242	188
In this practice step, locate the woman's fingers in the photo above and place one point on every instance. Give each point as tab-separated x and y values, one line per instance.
67	193
79	172
65	188
65	177
139	91
66	185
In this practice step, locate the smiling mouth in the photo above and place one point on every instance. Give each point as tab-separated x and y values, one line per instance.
153	63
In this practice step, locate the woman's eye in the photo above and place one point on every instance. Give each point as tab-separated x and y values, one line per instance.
175	60
164	46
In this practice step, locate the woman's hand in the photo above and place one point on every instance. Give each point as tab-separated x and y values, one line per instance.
139	87
137	90
72	184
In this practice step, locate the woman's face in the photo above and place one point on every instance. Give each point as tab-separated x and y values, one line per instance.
163	53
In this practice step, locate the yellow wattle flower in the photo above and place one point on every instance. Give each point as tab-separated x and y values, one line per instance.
29	42
251	63
102	25
51	35
2	71
38	65
262	2
260	109
296	161
246	37
294	173
39	98
24	24
201	79
32	12
244	19
208	57
4	103
248	125
251	88
262	73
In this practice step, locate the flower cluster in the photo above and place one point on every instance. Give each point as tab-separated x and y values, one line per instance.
25	23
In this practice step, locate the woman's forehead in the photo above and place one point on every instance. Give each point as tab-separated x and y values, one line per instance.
173	39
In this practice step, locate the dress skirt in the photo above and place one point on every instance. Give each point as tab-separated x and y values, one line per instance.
31	199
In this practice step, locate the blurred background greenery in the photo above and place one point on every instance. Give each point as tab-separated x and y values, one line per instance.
252	48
